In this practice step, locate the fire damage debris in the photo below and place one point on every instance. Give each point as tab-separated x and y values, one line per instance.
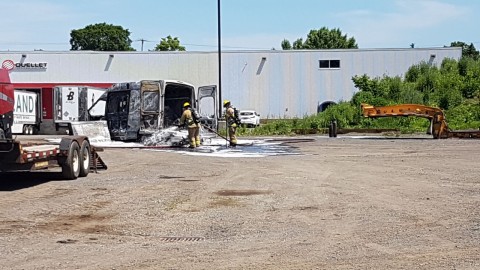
175	139
171	136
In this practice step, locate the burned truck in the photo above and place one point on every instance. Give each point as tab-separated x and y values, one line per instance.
135	110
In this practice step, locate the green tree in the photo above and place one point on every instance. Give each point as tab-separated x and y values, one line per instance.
169	44
101	37
424	77
412	73
325	38
447	92
286	45
408	95
467	50
298	44
364	83
469	69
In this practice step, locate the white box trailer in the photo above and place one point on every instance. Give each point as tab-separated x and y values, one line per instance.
26	113
72	104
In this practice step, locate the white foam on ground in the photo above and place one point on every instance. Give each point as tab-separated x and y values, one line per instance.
246	149
175	140
172	136
215	153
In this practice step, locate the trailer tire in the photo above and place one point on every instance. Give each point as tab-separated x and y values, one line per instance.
71	166
84	159
27	130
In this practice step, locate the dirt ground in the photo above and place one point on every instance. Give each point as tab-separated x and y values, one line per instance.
343	203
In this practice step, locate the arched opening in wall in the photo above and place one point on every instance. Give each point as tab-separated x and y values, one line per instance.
324	105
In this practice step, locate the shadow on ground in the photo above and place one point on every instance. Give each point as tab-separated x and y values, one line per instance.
16	181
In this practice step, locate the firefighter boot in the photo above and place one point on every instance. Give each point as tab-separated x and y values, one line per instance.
192	143
198	142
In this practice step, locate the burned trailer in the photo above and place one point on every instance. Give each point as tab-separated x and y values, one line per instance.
138	109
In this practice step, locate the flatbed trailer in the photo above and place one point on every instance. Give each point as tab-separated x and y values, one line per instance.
74	154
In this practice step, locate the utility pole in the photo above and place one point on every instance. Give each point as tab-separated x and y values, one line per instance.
142	40
219	60
220	106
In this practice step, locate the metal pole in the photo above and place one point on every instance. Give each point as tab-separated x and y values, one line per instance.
219	60
220	70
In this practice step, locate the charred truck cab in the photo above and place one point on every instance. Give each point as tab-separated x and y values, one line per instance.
138	109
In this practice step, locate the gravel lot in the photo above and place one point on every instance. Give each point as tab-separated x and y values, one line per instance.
344	203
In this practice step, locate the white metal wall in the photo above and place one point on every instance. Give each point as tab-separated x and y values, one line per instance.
275	83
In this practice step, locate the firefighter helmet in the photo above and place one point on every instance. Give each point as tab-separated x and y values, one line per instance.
226	103
186	104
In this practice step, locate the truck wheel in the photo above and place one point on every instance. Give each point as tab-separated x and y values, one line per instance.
30	130
71	167
84	159
25	130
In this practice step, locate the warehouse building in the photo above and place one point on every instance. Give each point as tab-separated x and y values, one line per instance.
277	84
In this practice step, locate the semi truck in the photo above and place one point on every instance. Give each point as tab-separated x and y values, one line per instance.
26	112
72	104
136	110
74	154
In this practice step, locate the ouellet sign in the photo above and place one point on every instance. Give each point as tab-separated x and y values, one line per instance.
9	65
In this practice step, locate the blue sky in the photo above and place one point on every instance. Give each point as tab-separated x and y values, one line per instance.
246	24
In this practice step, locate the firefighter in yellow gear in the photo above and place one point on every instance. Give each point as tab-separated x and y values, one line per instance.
193	125
231	121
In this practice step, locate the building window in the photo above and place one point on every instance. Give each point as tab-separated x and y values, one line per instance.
324	63
329	64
